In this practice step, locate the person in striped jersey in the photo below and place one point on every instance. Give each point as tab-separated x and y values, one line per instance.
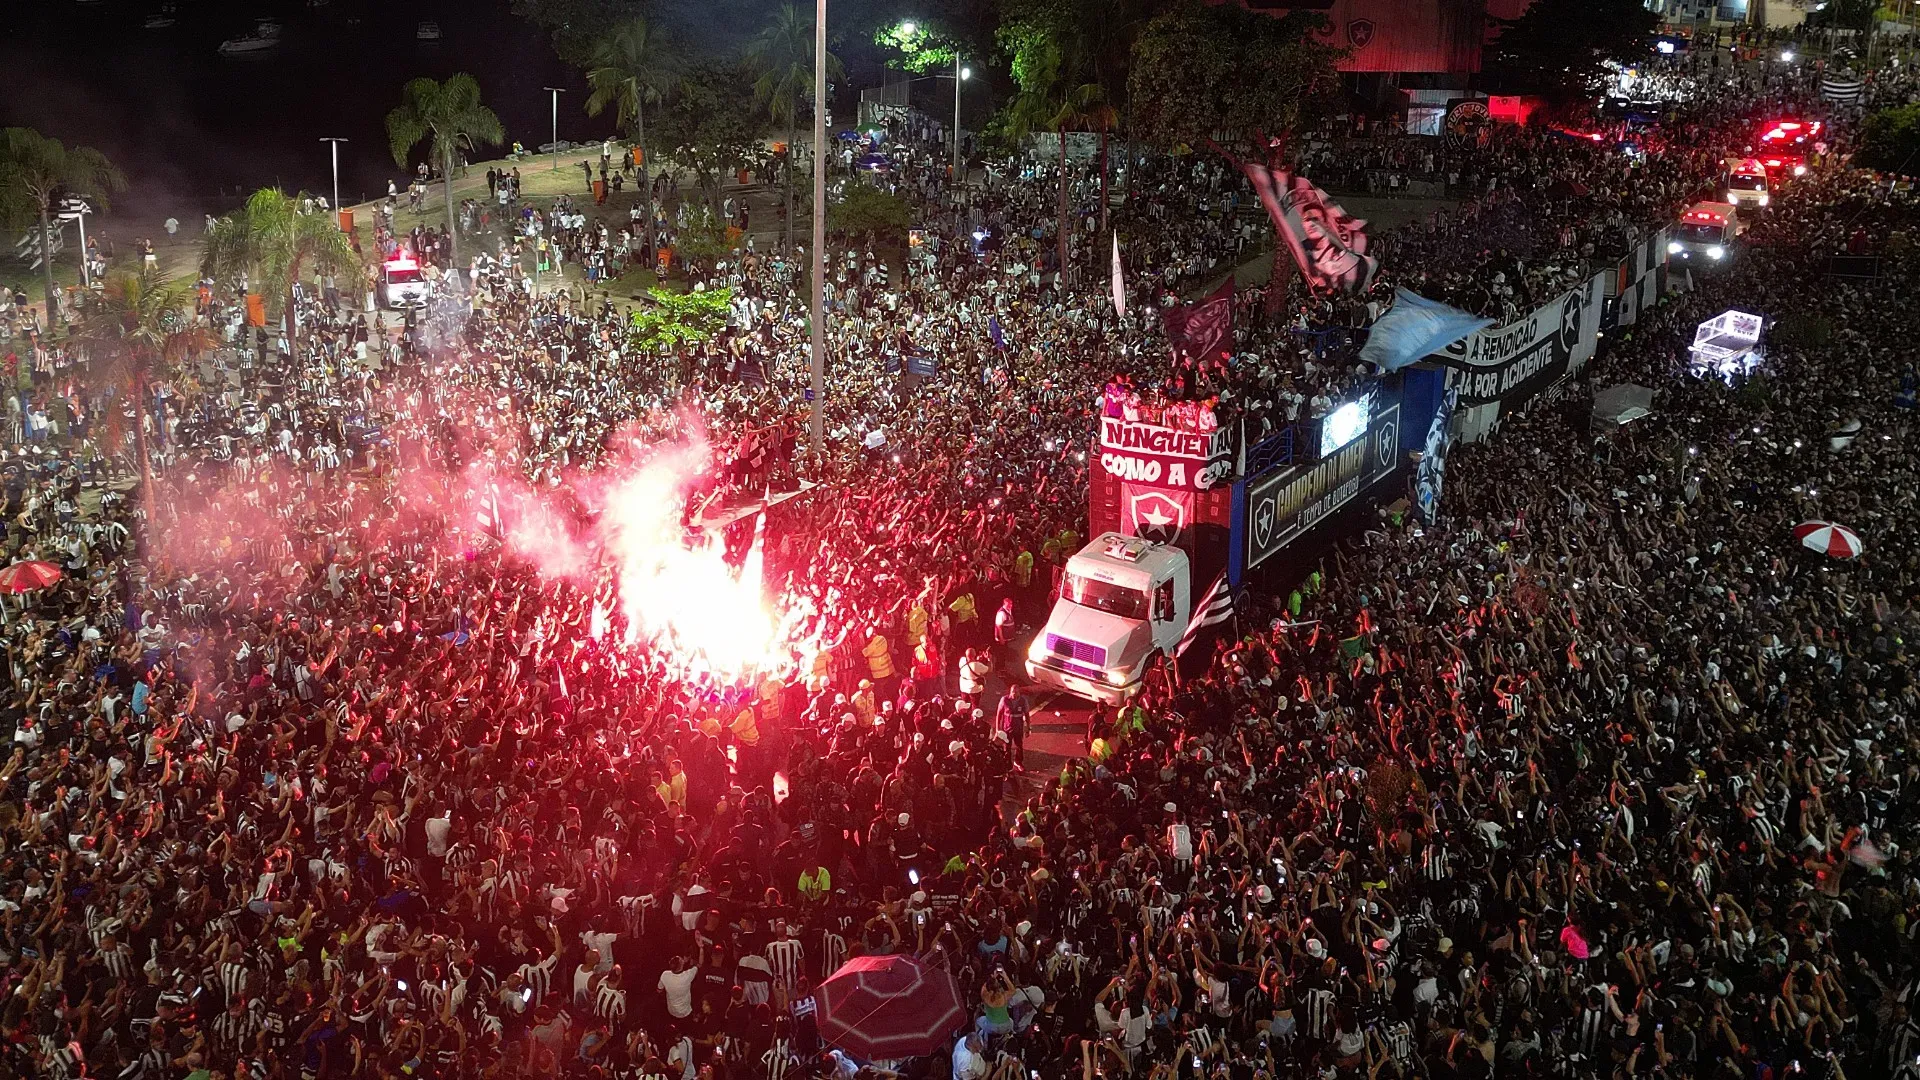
787	957
610	1000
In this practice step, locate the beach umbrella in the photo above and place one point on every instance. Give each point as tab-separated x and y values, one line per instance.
1827	538
27	576
881	1008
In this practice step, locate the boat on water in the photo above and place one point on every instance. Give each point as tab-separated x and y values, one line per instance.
264	35
165	17
427	31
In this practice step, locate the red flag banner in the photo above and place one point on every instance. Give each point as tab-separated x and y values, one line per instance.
1196	330
1156	513
1328	244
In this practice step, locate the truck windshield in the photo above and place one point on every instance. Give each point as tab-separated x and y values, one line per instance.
1105	596
1741	182
1698	234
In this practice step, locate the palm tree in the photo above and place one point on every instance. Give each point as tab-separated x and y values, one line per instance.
782	55
450	114
139	319
1059	104
35	172
272	242
629	68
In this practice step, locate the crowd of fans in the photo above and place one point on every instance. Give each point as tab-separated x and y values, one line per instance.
1601	775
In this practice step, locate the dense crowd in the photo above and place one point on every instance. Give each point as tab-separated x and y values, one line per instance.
320	768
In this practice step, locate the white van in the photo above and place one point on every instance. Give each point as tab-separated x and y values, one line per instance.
402	283
1705	235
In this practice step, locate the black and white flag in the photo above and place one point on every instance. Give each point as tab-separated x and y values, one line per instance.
1215	608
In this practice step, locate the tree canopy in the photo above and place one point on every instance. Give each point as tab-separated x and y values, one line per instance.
631	67
1890	141
1559	48
1197	70
674	319
710	125
863	210
36	170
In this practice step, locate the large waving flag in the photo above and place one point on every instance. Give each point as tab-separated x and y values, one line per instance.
1416	327
1215	608
1328	244
1119	280
1196	330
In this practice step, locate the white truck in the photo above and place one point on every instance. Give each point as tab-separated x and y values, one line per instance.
1122	603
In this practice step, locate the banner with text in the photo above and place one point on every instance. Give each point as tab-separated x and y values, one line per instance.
1145	453
1282	507
1508	364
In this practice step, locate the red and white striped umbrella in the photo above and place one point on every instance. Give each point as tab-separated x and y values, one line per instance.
1827	538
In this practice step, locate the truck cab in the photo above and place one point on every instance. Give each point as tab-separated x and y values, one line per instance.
1747	184
1705	234
1122	602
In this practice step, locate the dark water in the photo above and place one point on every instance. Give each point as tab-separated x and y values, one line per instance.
194	130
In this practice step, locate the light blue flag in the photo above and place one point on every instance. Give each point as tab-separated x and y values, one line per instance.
1416	327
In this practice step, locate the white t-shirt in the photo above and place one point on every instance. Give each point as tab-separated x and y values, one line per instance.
679	989
968	1064
1180	840
438	829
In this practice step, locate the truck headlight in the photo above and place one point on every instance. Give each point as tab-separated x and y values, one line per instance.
1037	651
1673	247
1117	678
1765	199
1716	252
1799	170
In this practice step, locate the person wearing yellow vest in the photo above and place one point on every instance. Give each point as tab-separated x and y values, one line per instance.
820	670
862	702
767	698
964	614
815	884
917	620
880	665
745	728
1023	569
672	791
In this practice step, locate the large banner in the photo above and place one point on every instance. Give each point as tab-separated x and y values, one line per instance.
1502	369
1166	457
1283	506
1197	330
1328	244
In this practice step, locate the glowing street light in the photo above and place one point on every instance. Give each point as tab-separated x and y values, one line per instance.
556	92
909	28
960	75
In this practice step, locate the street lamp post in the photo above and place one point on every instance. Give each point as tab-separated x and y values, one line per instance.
960	75
818	321
556	91
336	172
